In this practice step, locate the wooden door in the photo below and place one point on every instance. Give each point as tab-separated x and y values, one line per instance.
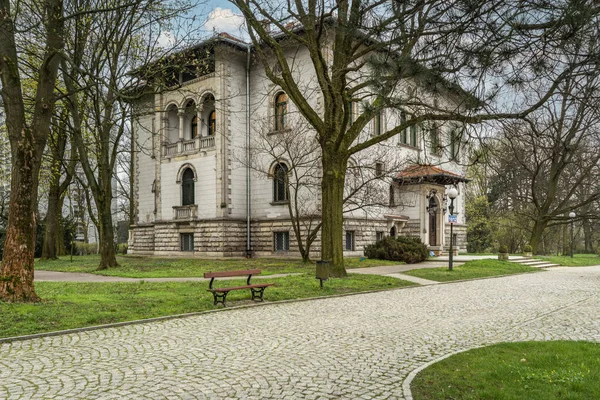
433	229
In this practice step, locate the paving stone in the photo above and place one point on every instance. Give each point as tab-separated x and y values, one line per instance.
361	346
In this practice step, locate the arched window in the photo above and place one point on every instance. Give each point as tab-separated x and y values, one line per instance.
212	123
194	126
187	187
280	189
280	111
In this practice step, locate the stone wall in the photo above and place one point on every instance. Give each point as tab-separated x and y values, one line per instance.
461	237
141	239
224	238
219	238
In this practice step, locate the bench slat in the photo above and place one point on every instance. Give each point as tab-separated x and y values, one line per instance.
225	274
227	289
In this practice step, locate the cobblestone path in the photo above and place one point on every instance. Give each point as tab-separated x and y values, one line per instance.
361	346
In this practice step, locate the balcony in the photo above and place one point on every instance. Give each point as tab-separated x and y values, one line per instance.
183	213
190	146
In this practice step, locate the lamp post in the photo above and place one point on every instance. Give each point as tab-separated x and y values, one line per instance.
452	193
572	215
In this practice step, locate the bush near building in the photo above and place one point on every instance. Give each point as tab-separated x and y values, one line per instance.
406	249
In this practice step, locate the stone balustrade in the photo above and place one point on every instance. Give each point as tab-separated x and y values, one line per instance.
188	146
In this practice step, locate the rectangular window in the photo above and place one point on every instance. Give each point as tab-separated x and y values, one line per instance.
187	241
434	139
377	123
392	196
379	235
350	240
378	169
455	136
413	136
281	241
404	132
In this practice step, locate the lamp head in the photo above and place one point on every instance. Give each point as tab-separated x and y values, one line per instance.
572	215
452	193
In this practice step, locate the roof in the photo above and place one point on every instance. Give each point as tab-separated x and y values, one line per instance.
428	174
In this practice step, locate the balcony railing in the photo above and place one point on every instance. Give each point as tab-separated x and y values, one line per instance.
188	146
185	212
170	149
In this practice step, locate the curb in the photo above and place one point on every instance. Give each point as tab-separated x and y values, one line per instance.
406	384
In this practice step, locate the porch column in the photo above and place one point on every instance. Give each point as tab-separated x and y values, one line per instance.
181	115
199	109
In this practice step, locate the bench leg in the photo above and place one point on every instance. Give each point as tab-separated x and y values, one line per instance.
220	298
257	293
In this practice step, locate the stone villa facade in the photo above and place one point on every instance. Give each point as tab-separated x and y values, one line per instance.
198	192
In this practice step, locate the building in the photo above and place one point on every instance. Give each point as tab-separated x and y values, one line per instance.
196	191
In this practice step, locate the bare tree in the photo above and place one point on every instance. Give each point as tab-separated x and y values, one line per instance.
291	158
546	168
97	74
392	55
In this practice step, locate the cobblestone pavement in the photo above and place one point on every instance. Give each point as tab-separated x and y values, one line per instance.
360	346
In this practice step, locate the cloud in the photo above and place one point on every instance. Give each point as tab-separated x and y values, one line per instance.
225	20
166	40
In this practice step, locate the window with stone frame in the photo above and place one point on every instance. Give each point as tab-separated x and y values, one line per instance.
455	142
212	123
350	245
281	241
378	123
435	145
281	109
187	187
187	241
379	169
280	183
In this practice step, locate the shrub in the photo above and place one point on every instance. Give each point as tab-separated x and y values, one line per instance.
503	249
122	248
407	249
527	249
84	249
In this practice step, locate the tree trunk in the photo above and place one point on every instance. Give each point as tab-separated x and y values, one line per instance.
108	257
536	235
17	268
60	232
588	236
52	219
332	203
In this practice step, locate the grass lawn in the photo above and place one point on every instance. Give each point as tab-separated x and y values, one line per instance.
69	305
155	267
578	260
515	371
471	270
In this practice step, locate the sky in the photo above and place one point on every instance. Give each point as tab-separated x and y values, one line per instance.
221	16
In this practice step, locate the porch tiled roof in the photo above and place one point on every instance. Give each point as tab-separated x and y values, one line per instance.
416	174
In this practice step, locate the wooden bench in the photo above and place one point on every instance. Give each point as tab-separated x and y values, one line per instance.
220	294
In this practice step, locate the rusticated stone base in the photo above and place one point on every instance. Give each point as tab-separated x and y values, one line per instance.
227	238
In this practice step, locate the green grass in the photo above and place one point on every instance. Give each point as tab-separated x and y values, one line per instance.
68	305
471	270
515	371
578	260
156	267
